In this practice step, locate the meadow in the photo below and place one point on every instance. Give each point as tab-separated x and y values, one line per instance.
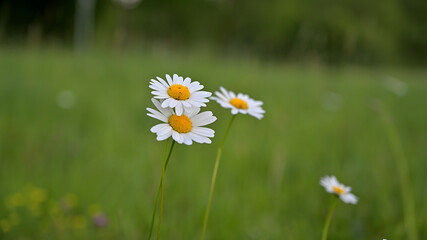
75	144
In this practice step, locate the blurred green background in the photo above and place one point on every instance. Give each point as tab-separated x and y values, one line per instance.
77	159
330	31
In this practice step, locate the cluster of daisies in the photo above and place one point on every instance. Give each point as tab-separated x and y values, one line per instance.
178	101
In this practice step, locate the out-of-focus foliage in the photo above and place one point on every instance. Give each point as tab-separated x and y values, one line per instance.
330	30
33	214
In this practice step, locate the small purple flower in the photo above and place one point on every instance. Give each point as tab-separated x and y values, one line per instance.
100	220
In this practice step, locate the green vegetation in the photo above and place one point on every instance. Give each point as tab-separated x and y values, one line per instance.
329	31
98	148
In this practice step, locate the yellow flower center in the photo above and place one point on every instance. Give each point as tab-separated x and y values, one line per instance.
239	103
181	124
179	92
338	190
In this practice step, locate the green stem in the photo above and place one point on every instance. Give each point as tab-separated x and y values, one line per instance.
162	183
215	171
328	220
402	171
159	188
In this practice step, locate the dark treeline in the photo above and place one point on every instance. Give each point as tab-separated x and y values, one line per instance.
361	31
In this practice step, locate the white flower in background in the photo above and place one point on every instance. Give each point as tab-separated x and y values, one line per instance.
331	184
129	4
332	101
66	99
185	128
395	86
179	93
240	103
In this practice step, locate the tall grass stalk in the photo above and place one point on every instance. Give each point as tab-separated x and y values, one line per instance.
215	171
402	171
164	166
328	220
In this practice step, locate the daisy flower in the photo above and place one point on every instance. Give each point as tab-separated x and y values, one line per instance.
184	128
240	103
331	184
179	93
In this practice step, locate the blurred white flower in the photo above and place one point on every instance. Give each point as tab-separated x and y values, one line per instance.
66	99
331	184
395	86
185	128
129	4
332	101
179	93
240	103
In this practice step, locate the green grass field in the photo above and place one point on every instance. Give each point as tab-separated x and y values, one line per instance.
59	164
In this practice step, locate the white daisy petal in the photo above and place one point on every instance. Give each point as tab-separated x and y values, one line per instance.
257	110
186	104
193	112
188	109
196	138
165	103
241	96
195	87
348	198
175	136
347	189
159	116
187	139
179	109
256	114
155	87
175	78
195	103
163	137
203	131
173	103
165	111
159	95
169	79
161	81
225	92
195	84
181	138
158	127
242	111
164	130
222	97
203	119
201	139
187	81
201	95
180	80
